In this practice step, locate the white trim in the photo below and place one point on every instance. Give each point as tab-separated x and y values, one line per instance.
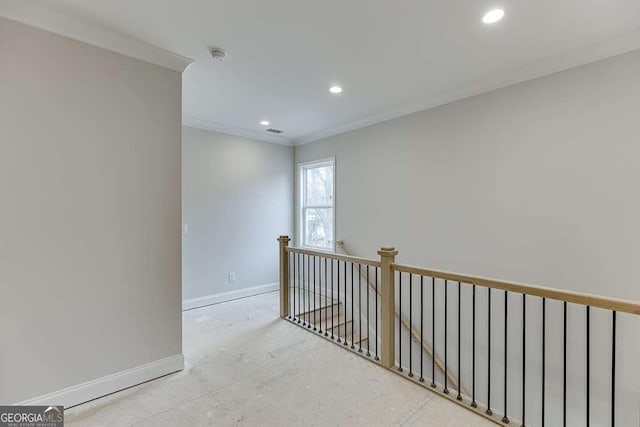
99	387
318	161
581	56
49	20
300	205
233	130
190	304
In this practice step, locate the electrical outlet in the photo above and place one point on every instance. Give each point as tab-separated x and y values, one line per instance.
185	229
232	277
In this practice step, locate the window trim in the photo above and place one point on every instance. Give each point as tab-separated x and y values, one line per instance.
301	202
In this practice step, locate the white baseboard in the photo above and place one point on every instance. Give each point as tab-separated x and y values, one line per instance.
228	296
93	389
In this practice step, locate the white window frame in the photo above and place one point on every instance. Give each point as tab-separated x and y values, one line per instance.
301	202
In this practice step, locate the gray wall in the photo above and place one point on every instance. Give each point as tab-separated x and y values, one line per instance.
538	183
90	212
237	199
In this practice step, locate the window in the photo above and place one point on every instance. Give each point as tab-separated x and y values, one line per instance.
317	204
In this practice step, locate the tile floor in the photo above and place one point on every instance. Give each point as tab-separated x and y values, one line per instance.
244	366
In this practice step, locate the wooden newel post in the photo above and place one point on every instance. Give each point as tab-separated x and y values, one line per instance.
284	276
387	307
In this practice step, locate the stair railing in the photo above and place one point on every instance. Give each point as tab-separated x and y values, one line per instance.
529	355
415	334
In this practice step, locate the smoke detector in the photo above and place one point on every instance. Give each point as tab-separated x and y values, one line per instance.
218	53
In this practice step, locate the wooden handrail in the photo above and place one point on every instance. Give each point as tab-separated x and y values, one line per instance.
415	334
607	303
389	312
331	255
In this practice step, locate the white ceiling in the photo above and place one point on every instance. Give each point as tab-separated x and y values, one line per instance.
391	57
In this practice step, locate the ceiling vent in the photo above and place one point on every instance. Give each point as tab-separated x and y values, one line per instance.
218	53
276	131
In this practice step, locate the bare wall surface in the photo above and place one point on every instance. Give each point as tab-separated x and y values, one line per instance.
90	275
237	199
536	183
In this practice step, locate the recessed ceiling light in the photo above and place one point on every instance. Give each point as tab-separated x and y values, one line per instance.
265	123
493	16
335	89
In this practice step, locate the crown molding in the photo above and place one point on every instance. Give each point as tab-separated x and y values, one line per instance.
584	55
46	19
232	130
